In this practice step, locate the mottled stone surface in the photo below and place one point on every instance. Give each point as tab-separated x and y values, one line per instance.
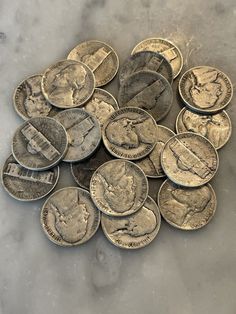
180	272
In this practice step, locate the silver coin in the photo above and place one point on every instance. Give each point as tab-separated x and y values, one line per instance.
99	57
216	128
82	171
187	208
147	90
129	133
134	231
119	188
189	159
146	60
205	89
39	143
151	164
68	84
29	101
101	105
168	49
83	132
27	185
69	217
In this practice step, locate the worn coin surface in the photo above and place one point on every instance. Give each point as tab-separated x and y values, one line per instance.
135	231
147	90
83	132
68	84
205	89
151	164
29	101
146	60
129	133
216	128
83	171
119	188
189	159
27	185
187	208
69	217
101	105
99	57
166	48
39	143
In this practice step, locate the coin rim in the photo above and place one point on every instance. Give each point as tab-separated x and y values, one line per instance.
207	111
177	226
41	168
94	200
76	243
184	185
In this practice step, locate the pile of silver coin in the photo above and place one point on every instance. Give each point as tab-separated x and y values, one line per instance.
115	145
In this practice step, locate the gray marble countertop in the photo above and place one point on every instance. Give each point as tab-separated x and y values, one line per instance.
180	272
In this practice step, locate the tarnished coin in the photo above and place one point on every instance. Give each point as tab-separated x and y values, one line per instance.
99	57
146	60
135	231
68	84
186	208
129	133
101	105
119	188
29	101
83	171
216	128
205	89
69	217
83	132
166	48
151	164
27	185
189	159
39	143
147	90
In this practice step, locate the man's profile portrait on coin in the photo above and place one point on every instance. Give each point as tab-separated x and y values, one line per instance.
205	88
71	218
185	203
67	84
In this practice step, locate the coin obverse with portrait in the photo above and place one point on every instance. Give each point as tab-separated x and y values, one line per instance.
69	217
187	208
119	188
129	133
205	89
134	231
68	84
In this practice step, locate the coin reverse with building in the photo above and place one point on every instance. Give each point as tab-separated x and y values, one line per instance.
187	208
27	185
83	132
147	90
168	49
146	60
99	57
134	231
129	133
119	187
216	128
69	217
189	159
205	89
39	143
101	105
68	84
151	164
29	101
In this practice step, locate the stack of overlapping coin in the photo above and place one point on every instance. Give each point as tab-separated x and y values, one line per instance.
66	118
